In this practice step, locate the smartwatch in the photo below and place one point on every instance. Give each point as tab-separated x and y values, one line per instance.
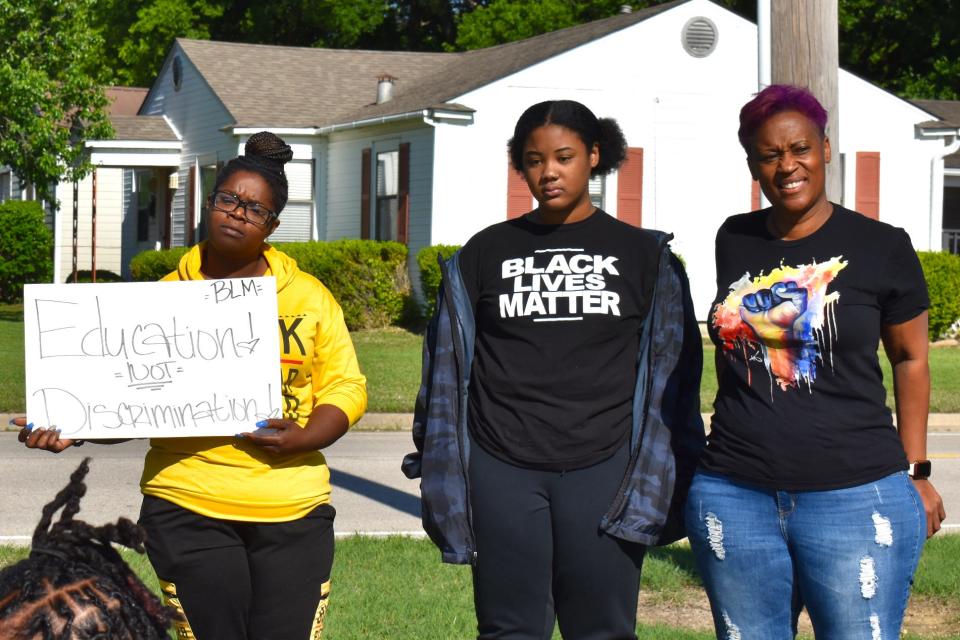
919	470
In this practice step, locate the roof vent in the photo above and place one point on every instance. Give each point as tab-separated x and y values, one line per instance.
699	37
385	85
177	73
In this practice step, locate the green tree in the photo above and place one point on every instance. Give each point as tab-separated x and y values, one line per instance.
510	20
501	21
51	98
302	23
26	248
910	48
419	25
138	33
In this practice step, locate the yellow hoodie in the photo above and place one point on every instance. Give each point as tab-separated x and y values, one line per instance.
232	479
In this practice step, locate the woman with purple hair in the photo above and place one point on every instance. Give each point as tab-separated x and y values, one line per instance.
807	494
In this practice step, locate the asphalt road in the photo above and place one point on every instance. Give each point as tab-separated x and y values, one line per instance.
371	495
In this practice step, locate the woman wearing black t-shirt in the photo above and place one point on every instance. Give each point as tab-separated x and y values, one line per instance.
807	494
558	298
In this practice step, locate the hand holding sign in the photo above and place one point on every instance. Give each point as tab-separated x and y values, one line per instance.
280	436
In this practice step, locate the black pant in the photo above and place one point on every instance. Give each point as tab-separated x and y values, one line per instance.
540	552
242	580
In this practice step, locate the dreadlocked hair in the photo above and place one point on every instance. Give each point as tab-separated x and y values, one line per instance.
74	585
263	154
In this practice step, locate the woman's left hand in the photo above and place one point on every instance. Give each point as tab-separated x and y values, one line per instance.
932	505
280	436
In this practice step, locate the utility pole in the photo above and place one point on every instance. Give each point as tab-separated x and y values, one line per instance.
804	51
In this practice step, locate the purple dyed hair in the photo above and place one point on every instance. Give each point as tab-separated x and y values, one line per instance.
775	99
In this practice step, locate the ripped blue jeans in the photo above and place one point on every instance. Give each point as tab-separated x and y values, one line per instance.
847	555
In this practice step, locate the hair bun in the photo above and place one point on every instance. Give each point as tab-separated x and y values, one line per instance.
268	145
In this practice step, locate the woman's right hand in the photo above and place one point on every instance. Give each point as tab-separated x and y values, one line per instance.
48	439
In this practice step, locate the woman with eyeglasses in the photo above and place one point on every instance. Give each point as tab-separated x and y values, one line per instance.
240	530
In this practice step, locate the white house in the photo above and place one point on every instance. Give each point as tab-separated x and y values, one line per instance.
412	146
948	112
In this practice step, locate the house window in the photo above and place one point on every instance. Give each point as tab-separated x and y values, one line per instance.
385	194
296	220
388	201
597	188
5	186
146	186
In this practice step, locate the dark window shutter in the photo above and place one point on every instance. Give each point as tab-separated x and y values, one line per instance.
754	196
630	188
518	194
365	194
403	194
868	183
191	205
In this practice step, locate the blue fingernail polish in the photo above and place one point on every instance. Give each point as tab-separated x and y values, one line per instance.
239	435
262	423
29	427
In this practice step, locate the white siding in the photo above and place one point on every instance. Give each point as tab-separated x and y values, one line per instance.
421	200
342	197
110	195
873	120
683	112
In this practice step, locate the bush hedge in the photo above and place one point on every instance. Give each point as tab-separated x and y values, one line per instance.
26	248
103	275
942	273
150	266
430	270
368	278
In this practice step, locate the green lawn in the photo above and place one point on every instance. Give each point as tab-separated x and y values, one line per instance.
11	358
390	358
397	588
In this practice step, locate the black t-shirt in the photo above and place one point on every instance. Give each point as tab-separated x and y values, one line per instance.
558	312
801	402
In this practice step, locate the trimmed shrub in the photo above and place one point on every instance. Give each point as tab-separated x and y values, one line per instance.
150	265
942	273
367	277
430	270
102	276
26	248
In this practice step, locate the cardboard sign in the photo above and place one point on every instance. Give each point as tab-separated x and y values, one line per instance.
152	359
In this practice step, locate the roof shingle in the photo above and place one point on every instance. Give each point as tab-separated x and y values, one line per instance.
149	128
266	85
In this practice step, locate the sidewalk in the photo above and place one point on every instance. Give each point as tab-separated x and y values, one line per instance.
936	423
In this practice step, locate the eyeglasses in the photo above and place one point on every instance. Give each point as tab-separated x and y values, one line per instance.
253	212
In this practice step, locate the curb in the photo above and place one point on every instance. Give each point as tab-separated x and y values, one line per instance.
369	422
936	422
